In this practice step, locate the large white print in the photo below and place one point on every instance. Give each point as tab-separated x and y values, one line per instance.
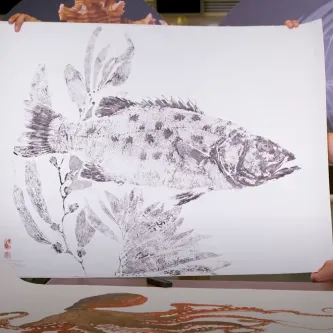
119	171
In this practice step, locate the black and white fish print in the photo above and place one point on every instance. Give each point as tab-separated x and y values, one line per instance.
158	143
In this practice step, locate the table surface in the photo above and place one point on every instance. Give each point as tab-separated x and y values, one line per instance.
141	282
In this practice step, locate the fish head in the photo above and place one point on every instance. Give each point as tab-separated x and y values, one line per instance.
252	160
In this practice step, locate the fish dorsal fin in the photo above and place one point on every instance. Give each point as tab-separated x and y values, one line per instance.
171	103
108	106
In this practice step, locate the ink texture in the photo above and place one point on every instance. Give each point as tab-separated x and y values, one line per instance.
153	143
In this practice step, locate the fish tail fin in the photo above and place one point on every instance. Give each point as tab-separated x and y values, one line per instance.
44	132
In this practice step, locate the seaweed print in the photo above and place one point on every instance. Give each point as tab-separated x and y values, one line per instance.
162	142
67	168
95	314
151	243
58	238
149	237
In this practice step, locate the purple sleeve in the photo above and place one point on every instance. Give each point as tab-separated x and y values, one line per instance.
325	13
328	40
269	12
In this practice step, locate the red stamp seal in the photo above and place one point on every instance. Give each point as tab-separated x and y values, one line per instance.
7	244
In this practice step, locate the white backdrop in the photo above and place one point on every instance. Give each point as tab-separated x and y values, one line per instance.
270	80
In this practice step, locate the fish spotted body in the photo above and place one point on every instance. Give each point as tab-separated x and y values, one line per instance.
157	144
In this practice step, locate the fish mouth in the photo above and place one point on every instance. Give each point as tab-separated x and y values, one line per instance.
286	167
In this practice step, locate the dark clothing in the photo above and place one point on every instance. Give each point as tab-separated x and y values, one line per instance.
270	12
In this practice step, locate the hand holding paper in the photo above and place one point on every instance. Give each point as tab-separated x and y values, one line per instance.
172	179
18	20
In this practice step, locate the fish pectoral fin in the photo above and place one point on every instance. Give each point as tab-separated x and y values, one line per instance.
186	150
98	174
186	197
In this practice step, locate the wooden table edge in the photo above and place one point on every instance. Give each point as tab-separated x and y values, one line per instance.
141	282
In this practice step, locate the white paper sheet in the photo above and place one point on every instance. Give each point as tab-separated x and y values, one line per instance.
181	156
41	308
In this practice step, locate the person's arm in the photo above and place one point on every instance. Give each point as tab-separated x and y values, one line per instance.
34	11
22	12
330	148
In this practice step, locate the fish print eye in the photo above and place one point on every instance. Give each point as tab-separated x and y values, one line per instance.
266	146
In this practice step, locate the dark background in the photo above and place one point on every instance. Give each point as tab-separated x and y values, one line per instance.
7	5
178	6
163	6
